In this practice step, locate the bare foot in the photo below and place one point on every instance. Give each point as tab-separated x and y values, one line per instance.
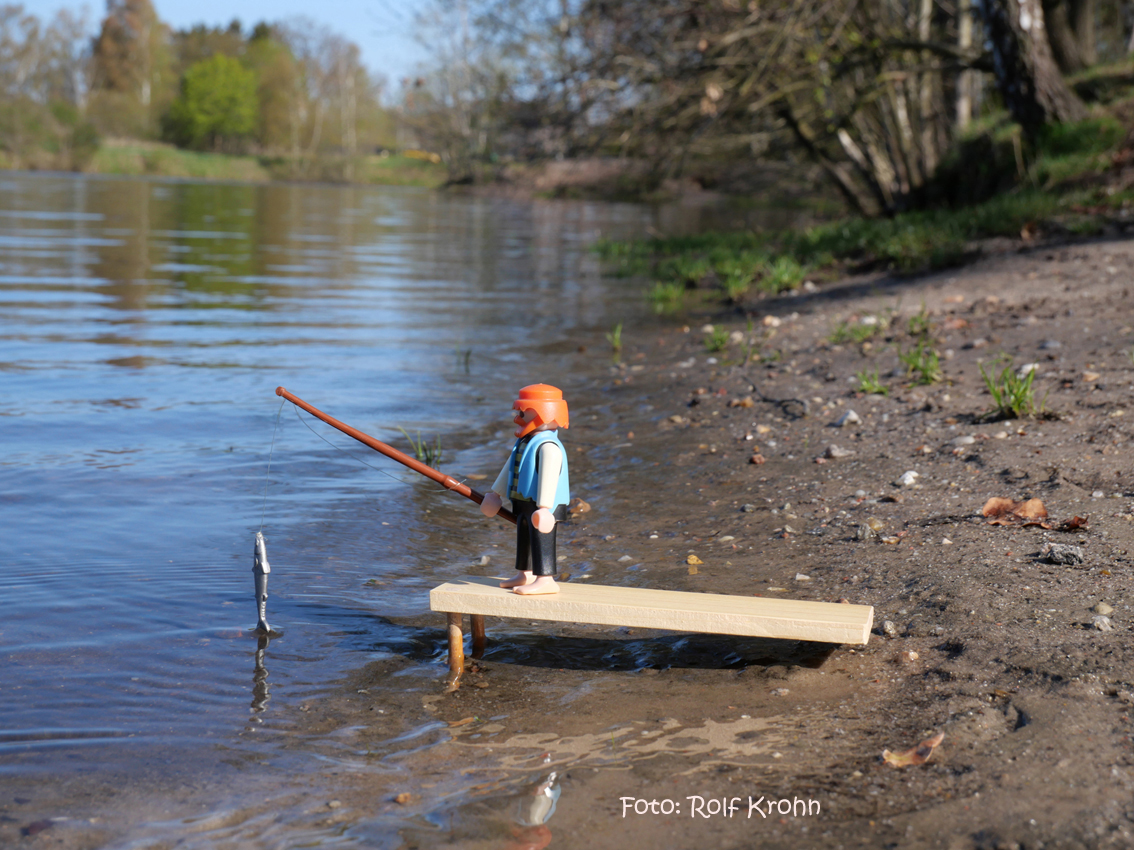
543	584
522	578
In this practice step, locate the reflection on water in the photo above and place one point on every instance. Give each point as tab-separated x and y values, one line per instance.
143	328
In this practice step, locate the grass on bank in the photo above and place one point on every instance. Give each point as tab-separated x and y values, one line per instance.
1062	189
162	160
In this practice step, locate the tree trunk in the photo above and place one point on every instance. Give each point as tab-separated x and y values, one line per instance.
1071	33
1026	74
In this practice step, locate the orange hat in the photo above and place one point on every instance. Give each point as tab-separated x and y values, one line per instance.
547	402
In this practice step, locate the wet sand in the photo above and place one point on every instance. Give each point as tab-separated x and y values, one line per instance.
1034	700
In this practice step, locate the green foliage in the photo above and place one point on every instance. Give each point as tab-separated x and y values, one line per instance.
716	340
614	337
1012	395
785	273
217	105
427	454
922	363
870	384
858	332
666	297
919	323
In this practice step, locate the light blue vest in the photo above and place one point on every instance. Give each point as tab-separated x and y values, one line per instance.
525	480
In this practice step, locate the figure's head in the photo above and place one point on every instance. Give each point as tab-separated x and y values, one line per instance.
541	408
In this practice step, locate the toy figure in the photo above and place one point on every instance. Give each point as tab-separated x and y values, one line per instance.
535	480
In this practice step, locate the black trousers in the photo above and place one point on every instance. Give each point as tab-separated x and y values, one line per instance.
535	550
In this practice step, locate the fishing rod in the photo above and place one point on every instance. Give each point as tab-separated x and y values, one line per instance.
445	481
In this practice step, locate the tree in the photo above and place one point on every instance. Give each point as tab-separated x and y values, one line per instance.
1026	73
216	107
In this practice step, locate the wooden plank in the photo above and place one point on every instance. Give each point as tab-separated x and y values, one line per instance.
708	613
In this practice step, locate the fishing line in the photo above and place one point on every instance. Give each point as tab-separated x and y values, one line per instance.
345	452
275	430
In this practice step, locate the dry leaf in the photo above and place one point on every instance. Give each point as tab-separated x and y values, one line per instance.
918	755
578	506
1073	524
693	560
1003	511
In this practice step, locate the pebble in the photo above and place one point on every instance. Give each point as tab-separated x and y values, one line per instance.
908	656
1024	370
979	342
964	441
848	418
1062	553
1101	623
334	804
1103	608
624	559
889	629
908	479
1098	494
802	577
835	452
780	692
1050	344
748	509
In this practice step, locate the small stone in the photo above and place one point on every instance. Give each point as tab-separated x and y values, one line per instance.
624	559
835	452
1101	623
1103	608
979	342
907	479
480	685
802	577
780	692
848	418
1090	377
1062	553
865	532
334	804
1098	494
964	441
757	459
748	509
1050	344
484	559
860	494
403	799
945	541
889	629
908	656
789	530
1027	369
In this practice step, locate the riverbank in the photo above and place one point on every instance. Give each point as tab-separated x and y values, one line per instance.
981	635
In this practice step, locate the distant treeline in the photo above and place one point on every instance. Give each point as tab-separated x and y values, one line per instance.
877	93
294	90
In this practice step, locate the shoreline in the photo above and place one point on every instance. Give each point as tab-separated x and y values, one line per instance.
1031	695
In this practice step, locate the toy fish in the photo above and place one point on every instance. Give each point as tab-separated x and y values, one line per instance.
260	570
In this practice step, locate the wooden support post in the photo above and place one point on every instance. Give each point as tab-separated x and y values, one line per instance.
479	640
456	644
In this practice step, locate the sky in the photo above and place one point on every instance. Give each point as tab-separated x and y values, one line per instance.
382	29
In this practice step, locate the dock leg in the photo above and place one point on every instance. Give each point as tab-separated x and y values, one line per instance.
478	637
456	645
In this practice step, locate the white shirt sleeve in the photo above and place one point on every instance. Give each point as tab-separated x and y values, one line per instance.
550	463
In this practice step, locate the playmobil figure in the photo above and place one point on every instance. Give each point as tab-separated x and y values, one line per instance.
535	480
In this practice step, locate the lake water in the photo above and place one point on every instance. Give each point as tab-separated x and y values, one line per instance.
144	326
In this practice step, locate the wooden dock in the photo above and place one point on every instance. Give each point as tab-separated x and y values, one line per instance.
706	613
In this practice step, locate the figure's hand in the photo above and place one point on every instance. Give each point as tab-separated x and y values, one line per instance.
543	520
491	504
